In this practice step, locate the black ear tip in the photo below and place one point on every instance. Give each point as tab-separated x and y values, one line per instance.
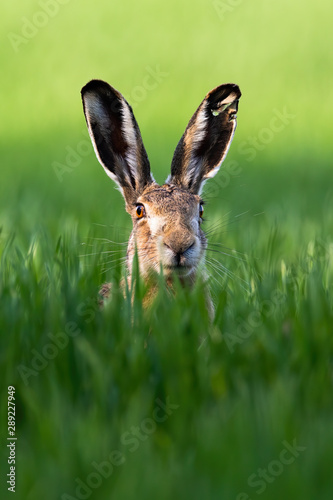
237	91
92	85
230	87
225	89
223	94
99	87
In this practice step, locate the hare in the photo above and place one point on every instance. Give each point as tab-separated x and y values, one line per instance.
167	232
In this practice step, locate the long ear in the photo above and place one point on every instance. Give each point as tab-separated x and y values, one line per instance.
206	140
116	138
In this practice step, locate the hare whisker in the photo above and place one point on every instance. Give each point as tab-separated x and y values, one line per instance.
224	247
217	265
117	259
218	271
221	224
105	241
110	268
100	253
221	245
225	253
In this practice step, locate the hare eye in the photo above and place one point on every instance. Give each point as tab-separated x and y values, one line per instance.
201	210
140	211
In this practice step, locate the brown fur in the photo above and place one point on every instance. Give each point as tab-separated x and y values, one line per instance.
168	233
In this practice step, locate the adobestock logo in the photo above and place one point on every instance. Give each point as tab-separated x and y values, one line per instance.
248	326
130	441
279	121
30	27
57	342
224	8
260	479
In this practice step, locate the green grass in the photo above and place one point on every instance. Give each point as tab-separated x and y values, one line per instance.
241	392
85	378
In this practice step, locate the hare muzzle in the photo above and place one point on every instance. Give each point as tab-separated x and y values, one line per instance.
180	252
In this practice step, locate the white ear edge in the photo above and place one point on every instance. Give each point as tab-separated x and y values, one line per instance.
131	139
200	128
194	161
193	140
128	130
95	111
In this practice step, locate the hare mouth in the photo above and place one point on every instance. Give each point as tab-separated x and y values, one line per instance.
178	269
177	266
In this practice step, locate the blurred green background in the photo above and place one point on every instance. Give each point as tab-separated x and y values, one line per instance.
277	53
272	197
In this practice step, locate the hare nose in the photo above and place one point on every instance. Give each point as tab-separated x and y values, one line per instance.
179	243
179	254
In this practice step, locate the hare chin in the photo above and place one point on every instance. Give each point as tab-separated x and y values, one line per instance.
181	271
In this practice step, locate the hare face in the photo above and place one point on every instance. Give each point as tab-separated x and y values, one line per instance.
167	232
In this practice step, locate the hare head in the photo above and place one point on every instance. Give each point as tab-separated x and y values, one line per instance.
167	233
